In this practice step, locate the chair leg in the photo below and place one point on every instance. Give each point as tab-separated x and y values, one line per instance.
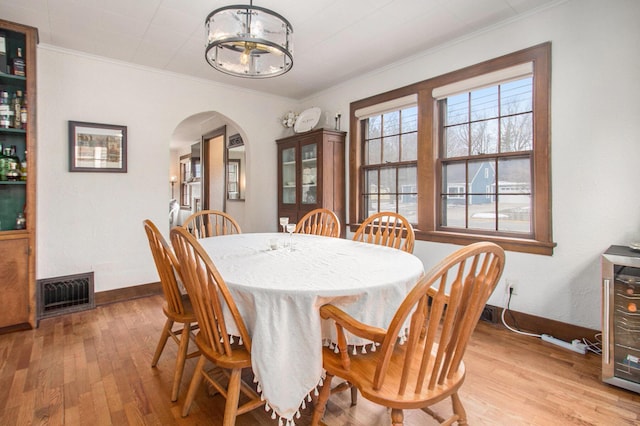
162	342
180	360
233	396
195	384
397	417
354	395
458	409
321	403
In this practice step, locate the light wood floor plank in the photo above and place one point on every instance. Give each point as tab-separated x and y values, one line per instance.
94	367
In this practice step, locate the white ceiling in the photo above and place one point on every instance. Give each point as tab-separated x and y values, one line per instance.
334	40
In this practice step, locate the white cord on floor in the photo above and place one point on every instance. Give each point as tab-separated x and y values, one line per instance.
514	330
590	346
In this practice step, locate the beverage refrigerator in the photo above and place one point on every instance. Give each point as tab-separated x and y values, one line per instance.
621	317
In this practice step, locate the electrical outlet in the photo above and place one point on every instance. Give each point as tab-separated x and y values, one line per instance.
511	287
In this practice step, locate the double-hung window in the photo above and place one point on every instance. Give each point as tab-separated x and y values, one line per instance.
389	164
485	155
464	156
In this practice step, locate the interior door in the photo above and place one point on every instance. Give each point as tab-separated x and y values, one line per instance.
213	182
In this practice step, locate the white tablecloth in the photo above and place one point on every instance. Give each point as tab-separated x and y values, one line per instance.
279	293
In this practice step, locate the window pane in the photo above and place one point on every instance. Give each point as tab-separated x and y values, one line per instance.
391	123
482	199
373	128
408	210
484	137
407	178
516	133
514	176
516	96
370	192
388	189
454	179
370	205
456	141
391	149
388	203
457	109
453	212
408	197
515	213
409	147
388	180
483	215
371	182
484	103
410	119
372	152
482	175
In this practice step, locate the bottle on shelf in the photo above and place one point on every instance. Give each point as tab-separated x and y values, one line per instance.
23	167
12	163
18	66
6	112
3	53
23	113
16	104
3	165
21	221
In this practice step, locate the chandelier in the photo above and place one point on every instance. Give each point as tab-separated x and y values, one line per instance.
248	41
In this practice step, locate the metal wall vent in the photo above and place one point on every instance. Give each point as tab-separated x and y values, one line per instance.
63	295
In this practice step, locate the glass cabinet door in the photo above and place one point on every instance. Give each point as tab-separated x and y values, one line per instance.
289	176
309	158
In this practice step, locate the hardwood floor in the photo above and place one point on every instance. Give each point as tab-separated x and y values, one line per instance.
94	368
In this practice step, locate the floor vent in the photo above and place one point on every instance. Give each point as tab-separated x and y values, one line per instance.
62	295
490	314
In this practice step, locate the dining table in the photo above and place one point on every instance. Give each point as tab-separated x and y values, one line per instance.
280	281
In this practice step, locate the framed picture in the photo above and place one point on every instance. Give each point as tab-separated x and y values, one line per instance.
97	147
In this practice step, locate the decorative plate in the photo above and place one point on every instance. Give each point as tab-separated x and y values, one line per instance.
307	120
634	246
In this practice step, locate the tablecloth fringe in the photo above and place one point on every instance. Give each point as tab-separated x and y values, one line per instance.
353	348
283	421
402	338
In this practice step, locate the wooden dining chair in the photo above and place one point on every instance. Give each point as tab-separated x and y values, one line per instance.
319	222
210	295
211	223
419	360
176	307
388	229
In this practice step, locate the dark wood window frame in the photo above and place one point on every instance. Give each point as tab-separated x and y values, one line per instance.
541	240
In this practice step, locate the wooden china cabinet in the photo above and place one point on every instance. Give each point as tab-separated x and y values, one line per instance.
17	181
311	174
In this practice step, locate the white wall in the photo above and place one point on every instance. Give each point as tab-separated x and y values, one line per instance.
93	221
595	143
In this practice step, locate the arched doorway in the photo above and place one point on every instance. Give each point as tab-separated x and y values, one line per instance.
201	162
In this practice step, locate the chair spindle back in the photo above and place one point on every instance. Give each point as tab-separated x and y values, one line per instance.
167	267
319	222
208	293
211	223
444	308
387	229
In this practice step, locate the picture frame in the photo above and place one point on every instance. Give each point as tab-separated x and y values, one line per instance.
96	147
